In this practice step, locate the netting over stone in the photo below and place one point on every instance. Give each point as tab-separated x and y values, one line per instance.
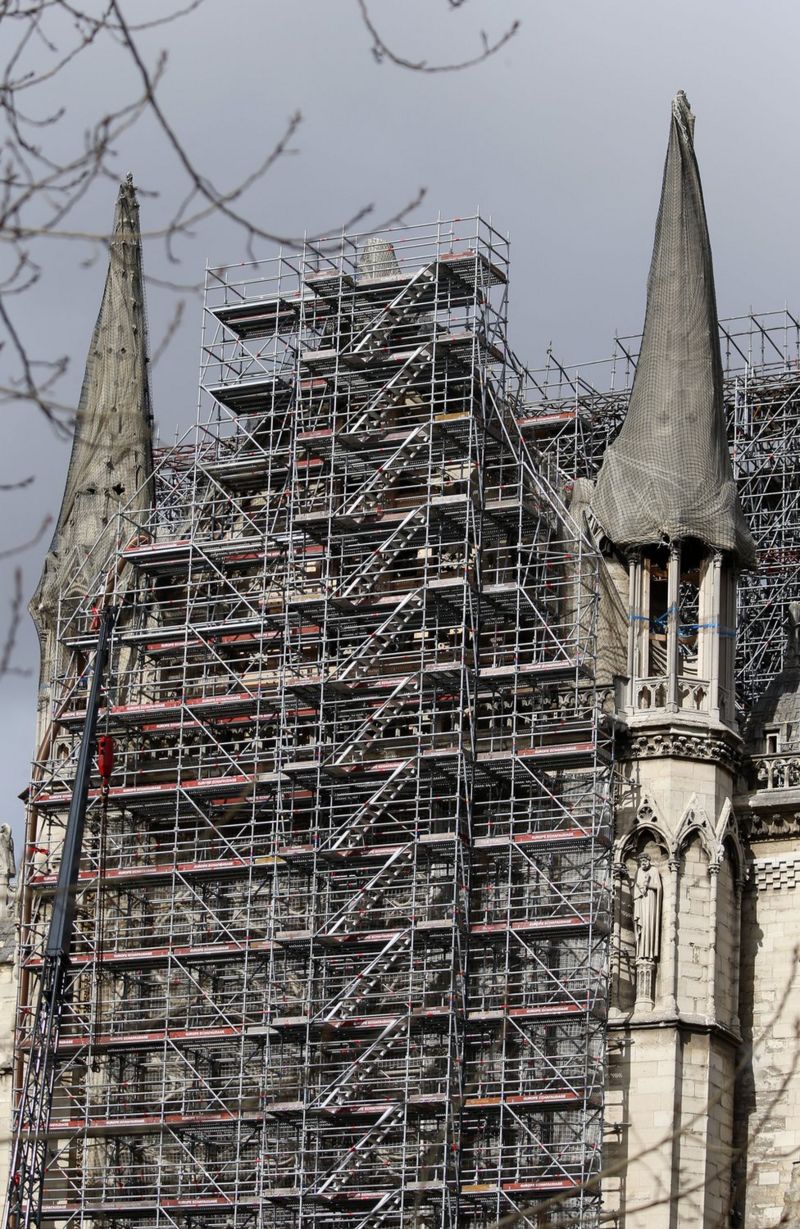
112	448
668	475
377	259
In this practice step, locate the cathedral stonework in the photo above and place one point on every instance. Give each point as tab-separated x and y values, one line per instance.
627	910
664	506
768	1105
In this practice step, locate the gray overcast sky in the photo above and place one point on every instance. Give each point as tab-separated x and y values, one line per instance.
560	138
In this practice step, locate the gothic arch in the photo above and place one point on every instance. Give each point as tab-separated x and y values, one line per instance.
728	933
648	822
695	823
648	835
642	835
695	885
729	842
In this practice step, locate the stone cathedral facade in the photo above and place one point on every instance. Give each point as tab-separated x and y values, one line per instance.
702	1119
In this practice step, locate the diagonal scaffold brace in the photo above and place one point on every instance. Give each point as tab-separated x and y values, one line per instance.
29	1156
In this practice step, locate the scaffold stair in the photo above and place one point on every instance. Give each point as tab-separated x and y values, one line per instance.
394	388
382	638
349	915
369	731
404	306
349	1000
380	561
368	814
367	498
347	1083
361	1151
390	1203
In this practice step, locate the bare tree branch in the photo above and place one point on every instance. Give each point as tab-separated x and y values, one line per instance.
382	51
171	330
10	641
18	550
18	486
41	184
33	390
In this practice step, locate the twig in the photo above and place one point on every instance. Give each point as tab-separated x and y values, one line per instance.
13	628
18	550
382	51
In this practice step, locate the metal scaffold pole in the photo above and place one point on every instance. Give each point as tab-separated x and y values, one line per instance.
572	414
341	948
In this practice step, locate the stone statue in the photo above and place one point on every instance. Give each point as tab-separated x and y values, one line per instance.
793	635
647	909
8	869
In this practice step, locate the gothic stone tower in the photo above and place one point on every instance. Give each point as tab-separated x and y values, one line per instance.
666	514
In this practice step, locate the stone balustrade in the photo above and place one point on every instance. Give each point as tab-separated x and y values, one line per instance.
778	772
652	693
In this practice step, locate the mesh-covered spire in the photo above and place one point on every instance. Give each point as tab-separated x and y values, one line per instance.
377	259
668	474
112	450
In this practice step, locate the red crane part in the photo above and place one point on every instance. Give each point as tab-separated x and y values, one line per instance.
105	757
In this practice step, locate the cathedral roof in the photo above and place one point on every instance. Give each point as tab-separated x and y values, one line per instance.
780	703
668	475
112	450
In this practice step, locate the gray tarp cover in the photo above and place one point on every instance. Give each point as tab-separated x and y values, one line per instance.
112	449
668	474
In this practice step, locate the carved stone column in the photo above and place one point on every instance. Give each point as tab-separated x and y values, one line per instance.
715	613
620	873
673	621
670	945
711	1001
635	625
738	889
645	984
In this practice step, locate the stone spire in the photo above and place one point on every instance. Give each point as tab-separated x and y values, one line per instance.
377	259
111	463
668	475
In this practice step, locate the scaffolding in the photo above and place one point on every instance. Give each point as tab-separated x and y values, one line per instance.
343	911
570	414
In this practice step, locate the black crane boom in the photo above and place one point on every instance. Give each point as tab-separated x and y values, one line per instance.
23	1206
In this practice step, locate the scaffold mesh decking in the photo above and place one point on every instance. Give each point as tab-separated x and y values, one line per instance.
571	414
343	910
